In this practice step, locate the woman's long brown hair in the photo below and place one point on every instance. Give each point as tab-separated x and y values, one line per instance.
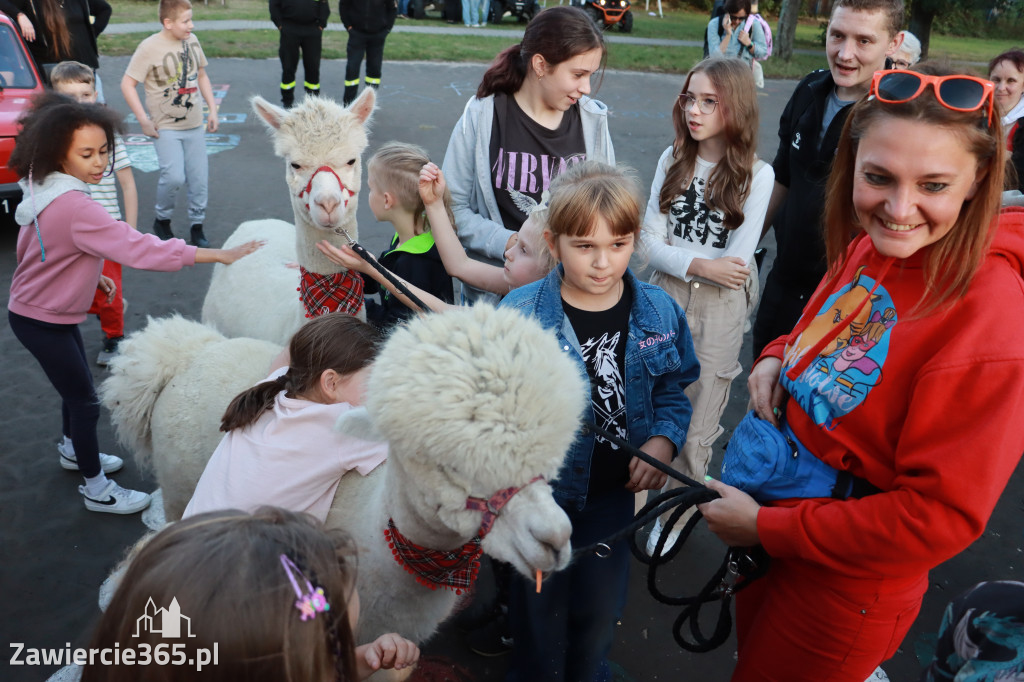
729	185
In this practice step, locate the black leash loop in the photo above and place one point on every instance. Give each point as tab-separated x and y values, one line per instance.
739	568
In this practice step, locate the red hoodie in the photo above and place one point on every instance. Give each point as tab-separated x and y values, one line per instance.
929	409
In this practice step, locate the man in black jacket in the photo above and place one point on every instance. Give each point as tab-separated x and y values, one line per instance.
368	23
301	23
860	35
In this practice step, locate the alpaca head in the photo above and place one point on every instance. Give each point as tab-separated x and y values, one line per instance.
473	401
321	143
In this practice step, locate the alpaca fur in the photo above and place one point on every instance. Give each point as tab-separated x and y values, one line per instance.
471	401
258	298
168	388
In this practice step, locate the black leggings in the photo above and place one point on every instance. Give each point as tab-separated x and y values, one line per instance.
59	350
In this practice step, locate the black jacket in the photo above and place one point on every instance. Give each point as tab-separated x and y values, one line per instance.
803	167
418	262
300	12
76	16
368	16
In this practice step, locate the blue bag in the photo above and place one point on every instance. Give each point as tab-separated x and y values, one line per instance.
769	464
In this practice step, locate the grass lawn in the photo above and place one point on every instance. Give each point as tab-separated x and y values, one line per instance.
676	25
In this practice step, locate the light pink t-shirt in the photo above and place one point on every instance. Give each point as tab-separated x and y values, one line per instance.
291	457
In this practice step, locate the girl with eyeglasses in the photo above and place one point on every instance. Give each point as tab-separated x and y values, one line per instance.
727	38
906	371
703	222
1006	72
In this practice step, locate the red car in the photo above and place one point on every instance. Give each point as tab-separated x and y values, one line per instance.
19	82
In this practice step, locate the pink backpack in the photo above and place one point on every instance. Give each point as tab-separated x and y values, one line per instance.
767	32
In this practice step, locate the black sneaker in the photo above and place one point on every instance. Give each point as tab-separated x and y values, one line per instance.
162	228
197	238
109	351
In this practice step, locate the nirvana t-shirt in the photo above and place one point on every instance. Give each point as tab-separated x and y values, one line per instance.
602	335
526	156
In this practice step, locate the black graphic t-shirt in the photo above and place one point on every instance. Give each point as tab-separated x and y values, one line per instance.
526	156
602	336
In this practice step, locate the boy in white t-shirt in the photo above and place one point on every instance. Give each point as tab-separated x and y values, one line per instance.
76	80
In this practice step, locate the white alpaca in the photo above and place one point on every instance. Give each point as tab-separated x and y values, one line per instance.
321	143
472	402
176	362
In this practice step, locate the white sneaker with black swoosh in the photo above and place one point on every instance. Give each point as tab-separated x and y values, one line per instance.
116	500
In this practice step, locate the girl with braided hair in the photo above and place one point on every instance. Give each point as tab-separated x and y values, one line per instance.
280	445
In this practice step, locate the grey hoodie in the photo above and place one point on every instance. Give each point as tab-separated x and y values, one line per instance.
467	170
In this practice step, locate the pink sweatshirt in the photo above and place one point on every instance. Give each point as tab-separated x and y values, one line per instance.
77	234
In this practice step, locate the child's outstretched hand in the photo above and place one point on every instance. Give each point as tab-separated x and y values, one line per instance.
229	256
345	257
387	652
431	184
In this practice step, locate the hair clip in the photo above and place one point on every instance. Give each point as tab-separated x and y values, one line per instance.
311	602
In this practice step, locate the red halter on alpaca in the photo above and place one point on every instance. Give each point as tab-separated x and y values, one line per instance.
322	294
453	569
309	185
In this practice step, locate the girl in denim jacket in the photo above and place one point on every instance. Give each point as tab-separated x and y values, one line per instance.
632	341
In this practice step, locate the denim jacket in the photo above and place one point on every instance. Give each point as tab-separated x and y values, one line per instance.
660	364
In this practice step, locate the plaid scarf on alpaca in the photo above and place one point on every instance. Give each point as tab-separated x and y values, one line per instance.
453	569
322	294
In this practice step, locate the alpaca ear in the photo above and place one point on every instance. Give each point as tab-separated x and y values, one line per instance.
271	115
364	104
358	424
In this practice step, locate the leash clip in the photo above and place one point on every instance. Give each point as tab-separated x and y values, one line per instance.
727	587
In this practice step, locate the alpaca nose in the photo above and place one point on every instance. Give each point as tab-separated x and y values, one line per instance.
328	203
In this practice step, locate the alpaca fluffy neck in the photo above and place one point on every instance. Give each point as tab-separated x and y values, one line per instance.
308	235
416	512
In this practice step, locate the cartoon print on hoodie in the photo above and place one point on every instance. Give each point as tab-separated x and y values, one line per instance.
846	344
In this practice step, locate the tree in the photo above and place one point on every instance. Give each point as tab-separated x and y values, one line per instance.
785	35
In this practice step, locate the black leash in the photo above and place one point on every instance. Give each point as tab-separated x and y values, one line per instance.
747	563
365	255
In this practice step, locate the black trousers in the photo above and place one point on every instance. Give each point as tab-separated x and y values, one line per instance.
308	40
779	311
59	350
359	44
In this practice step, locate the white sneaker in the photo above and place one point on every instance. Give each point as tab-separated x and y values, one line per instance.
108	463
115	500
673	537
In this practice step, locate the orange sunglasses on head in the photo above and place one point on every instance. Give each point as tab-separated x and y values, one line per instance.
957	92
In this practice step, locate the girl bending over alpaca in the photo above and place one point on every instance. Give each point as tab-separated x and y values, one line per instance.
281	447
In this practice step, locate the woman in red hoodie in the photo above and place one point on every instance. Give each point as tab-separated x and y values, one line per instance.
905	373
64	147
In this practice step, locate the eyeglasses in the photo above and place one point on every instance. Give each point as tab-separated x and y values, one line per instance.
706	105
736	19
958	93
902	64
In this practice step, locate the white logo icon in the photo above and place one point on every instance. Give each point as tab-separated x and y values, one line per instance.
165	622
796	141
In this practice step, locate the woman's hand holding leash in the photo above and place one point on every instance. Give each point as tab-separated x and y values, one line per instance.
733	516
766	393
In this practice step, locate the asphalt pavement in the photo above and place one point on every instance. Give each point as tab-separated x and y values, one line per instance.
54	554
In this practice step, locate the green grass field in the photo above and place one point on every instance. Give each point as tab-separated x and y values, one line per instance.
676	24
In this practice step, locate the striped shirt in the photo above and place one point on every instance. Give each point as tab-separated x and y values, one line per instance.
105	191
